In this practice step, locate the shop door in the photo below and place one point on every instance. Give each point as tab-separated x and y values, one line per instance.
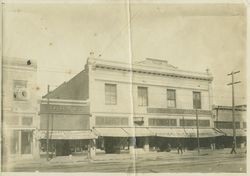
26	142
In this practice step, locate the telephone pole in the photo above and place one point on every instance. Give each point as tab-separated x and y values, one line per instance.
47	134
233	108
197	128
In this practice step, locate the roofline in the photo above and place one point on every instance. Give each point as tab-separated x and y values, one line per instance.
136	67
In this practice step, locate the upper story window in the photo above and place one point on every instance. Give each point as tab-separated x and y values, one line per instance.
20	90
110	94
171	98
142	96
196	100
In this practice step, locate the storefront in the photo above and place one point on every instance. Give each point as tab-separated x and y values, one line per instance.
65	127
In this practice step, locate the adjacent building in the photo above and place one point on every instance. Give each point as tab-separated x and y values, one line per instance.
19	111
144	106
224	122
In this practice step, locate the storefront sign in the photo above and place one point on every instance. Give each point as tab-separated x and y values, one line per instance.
63	109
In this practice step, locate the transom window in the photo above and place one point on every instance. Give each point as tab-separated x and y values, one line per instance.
162	122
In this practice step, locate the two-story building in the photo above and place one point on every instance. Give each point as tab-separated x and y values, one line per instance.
20	120
144	105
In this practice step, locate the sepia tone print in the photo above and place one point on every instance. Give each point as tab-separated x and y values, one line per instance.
124	87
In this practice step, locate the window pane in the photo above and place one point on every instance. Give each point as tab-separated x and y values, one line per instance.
110	94
142	96
196	100
162	122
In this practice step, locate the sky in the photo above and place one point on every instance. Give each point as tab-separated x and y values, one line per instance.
60	36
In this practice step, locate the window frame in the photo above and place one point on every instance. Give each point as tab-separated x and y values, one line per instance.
171	90
143	102
109	95
195	100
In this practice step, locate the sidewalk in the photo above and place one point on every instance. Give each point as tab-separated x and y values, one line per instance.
123	157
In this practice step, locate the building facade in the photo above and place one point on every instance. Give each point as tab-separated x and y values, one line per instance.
224	122
20	102
144	106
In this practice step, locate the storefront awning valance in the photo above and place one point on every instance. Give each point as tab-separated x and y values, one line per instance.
123	131
111	132
86	134
239	132
185	132
139	132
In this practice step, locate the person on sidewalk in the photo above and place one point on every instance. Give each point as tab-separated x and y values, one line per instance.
179	148
233	148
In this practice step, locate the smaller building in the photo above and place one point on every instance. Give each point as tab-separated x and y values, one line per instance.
20	120
224	122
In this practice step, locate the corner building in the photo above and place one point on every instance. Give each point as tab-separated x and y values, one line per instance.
144	106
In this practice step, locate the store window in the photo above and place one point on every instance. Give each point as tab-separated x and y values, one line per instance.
110	94
196	100
142	96
20	92
171	98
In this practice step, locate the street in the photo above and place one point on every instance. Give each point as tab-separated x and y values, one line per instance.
189	161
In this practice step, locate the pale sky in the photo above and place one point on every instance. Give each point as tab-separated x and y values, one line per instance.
191	37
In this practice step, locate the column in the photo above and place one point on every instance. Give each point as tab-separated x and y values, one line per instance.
92	148
36	145
131	145
146	144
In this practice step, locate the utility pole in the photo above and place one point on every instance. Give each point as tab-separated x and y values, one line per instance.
233	108
47	136
198	135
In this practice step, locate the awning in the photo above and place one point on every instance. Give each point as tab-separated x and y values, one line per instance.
138	131
87	134
185	132
111	132
239	132
123	131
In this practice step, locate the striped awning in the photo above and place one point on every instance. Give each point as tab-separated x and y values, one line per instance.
86	134
185	132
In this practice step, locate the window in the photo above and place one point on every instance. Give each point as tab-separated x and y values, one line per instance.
142	96
110	94
226	125
196	100
20	90
27	121
244	125
162	122
171	98
111	121
190	122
